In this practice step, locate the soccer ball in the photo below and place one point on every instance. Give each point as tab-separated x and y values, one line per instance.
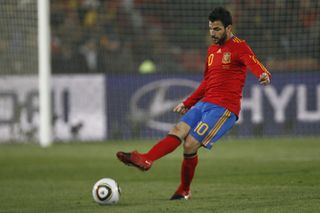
106	191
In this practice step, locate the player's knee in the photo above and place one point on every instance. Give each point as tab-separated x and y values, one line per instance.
187	147
190	147
180	130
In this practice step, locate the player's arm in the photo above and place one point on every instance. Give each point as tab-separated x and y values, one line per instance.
249	59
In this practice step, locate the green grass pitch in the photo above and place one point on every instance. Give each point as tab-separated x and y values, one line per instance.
247	175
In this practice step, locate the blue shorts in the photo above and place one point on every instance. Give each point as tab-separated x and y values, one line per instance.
208	122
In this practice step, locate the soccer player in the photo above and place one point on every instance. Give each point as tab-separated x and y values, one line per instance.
213	108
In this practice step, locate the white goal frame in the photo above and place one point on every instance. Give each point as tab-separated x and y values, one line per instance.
44	69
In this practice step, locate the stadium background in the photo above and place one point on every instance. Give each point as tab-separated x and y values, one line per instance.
120	66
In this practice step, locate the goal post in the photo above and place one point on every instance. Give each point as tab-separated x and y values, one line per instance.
44	70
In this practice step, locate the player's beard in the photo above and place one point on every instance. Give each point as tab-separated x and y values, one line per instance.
220	41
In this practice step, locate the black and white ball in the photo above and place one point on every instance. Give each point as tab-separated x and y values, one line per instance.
106	191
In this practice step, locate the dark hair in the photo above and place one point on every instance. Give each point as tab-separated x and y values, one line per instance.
221	14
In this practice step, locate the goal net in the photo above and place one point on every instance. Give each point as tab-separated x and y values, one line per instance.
18	69
119	67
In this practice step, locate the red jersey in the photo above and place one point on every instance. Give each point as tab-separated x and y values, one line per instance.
225	75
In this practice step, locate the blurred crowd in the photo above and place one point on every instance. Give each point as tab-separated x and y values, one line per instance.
146	36
285	33
123	36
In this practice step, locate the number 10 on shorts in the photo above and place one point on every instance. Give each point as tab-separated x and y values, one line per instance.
201	128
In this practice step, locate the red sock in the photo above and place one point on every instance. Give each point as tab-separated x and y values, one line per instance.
187	172
163	147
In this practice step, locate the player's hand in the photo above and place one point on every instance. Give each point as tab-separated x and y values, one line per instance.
180	108
264	79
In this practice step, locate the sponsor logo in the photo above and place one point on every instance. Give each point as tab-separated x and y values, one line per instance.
148	162
72	118
151	104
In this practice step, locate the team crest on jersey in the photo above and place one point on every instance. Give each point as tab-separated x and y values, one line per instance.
226	58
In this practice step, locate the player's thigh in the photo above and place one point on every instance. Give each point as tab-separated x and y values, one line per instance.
213	125
180	130
187	122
